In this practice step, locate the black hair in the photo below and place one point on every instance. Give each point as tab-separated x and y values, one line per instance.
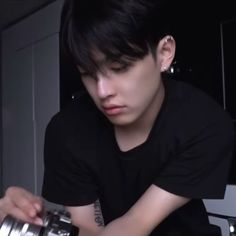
121	30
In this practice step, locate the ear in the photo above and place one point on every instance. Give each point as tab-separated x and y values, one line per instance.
166	52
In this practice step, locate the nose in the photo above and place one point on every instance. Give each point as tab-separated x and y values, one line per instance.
104	86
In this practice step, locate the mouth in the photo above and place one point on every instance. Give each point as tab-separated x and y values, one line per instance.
113	110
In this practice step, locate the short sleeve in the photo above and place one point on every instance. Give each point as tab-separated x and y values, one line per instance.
200	166
67	179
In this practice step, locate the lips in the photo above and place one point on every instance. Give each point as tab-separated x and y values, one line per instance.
113	110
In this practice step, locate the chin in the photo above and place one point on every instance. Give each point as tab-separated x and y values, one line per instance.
120	121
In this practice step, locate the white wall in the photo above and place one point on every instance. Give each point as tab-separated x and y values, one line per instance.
0	118
30	94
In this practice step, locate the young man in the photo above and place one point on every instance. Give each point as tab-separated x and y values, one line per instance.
136	153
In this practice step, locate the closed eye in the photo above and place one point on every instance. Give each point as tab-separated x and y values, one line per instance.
120	68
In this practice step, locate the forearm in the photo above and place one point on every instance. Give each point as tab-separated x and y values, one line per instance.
146	214
125	226
84	232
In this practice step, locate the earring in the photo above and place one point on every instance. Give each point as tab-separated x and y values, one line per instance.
163	69
168	37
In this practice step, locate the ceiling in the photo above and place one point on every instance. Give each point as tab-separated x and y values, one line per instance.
13	10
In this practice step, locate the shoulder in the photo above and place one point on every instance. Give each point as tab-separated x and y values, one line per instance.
193	101
193	110
80	115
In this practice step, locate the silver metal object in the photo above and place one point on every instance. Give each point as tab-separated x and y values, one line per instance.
55	223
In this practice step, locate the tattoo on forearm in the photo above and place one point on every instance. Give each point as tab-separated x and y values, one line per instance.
98	214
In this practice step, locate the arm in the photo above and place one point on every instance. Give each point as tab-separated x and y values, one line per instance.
88	218
147	213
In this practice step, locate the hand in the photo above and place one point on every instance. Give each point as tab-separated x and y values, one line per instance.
22	205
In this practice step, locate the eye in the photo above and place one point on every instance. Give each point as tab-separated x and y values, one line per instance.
120	68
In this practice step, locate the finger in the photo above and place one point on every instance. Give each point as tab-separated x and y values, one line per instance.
19	214
24	200
38	221
31	205
38	204
15	197
8	208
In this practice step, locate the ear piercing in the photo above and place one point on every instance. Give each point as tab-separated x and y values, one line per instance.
170	70
163	69
168	37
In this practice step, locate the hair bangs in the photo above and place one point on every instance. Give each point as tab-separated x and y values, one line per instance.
113	46
108	34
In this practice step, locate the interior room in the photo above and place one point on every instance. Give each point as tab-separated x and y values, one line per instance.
205	58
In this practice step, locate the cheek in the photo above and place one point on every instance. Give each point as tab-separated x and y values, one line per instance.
147	79
147	87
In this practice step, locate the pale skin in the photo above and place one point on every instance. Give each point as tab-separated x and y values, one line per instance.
133	117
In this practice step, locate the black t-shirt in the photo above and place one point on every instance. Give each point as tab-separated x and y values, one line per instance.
187	153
